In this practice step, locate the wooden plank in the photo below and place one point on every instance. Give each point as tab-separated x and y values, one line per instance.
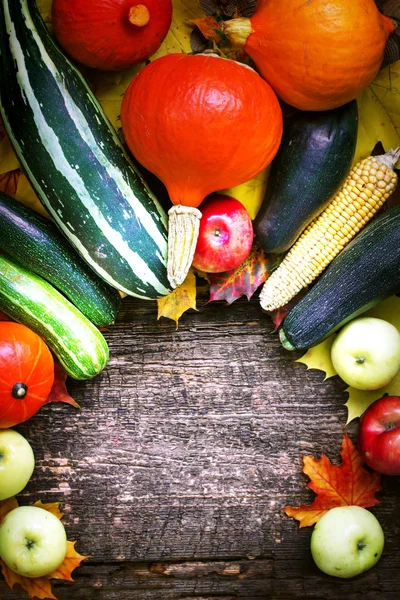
174	474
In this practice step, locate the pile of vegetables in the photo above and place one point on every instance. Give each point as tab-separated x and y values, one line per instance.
200	123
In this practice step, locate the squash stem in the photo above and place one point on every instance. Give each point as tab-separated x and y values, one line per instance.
183	231
139	15
284	341
237	31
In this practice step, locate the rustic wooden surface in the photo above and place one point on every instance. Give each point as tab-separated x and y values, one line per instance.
174	474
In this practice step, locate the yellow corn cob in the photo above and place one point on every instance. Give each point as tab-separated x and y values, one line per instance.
366	188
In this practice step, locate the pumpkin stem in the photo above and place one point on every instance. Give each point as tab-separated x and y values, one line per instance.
139	15
183	231
237	31
19	391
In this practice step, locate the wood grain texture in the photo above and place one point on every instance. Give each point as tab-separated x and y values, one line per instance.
174	474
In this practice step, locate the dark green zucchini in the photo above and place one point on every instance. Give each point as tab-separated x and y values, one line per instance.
365	272
37	244
34	302
312	161
75	160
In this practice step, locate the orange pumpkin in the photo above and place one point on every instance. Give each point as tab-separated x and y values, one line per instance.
26	373
201	124
111	34
316	54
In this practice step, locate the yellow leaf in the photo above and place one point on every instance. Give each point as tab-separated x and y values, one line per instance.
44	7
251	194
379	113
179	301
178	37
319	357
109	89
52	507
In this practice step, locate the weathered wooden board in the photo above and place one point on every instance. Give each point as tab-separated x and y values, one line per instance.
174	474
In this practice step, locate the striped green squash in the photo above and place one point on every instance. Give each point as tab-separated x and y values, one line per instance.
78	345
75	160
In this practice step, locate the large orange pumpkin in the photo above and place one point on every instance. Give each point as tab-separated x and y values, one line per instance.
111	34
201	124
316	54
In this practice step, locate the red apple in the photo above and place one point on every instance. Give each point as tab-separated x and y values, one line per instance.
379	435
225	236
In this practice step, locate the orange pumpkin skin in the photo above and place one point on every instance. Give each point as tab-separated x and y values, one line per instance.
319	54
26	373
99	34
201	124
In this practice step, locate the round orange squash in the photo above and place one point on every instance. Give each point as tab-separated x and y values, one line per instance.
200	123
316	54
111	35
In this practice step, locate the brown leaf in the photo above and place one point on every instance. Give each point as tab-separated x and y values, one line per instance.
210	28
346	484
244	280
40	587
9	182
59	392
7	506
279	315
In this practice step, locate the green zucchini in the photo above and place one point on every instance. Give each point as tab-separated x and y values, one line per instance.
365	272
37	244
313	159
75	160
27	298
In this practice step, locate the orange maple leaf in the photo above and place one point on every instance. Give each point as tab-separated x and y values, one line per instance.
40	587
347	484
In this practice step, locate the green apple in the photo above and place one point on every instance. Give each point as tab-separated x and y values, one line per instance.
346	541
33	541
16	463
366	353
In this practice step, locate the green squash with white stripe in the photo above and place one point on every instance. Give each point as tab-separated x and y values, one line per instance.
75	160
78	345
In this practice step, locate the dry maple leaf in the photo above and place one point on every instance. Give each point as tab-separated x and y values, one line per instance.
9	182
347	484
180	300
59	392
40	587
245	279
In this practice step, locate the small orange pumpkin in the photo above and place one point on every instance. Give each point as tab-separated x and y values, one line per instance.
316	54
201	123
111	35
26	373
